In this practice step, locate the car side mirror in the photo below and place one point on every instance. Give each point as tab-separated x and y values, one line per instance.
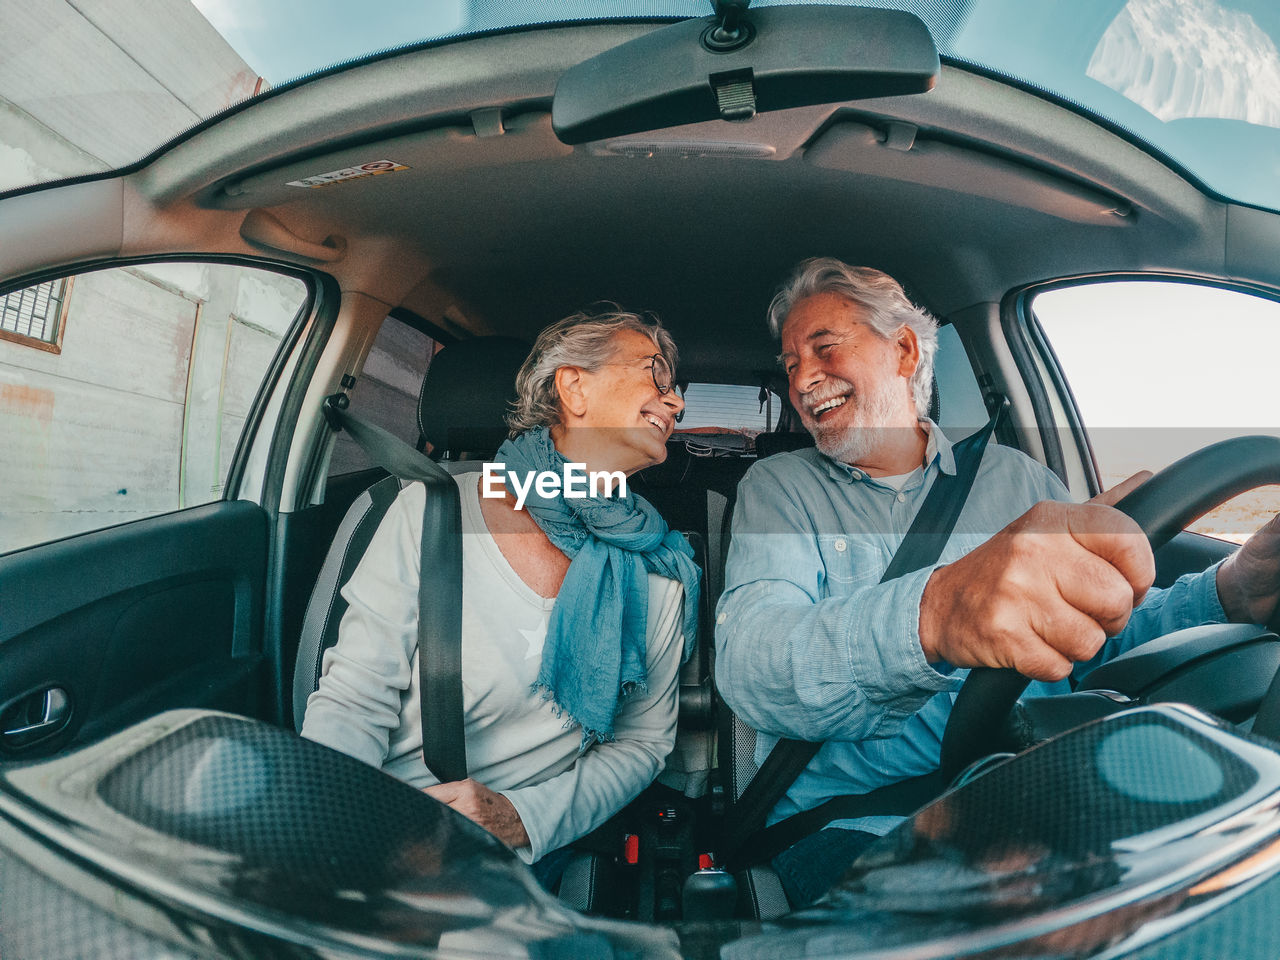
792	56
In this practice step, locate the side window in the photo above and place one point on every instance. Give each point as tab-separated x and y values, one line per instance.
722	419
387	391
1160	369
124	392
727	407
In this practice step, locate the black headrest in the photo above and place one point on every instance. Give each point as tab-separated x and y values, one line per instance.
466	395
767	444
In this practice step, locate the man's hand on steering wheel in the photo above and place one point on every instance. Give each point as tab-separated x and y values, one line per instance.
1043	593
1178	495
1249	581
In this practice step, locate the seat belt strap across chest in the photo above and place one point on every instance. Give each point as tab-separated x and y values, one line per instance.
444	748
921	546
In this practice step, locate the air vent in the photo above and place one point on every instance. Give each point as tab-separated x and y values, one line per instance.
689	148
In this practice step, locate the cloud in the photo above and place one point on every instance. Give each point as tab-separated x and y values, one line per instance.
1191	58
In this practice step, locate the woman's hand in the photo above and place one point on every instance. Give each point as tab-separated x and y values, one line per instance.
478	803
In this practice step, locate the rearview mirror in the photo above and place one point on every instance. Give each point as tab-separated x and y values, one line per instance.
790	56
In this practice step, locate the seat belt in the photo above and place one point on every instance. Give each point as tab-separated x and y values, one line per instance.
444	748
745	840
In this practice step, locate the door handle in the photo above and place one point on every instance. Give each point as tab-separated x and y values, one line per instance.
36	716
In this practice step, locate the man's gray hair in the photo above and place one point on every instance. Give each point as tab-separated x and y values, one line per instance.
887	307
584	340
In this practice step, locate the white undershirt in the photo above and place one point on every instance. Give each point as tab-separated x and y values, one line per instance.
897	481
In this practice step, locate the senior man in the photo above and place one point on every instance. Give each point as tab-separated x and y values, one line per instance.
810	645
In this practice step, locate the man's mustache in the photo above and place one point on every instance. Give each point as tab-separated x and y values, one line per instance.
821	394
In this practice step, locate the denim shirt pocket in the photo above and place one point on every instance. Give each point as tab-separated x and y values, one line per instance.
845	561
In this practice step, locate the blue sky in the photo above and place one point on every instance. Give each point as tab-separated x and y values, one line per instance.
283	39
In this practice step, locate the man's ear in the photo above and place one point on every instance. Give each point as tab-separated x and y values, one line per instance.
908	351
569	387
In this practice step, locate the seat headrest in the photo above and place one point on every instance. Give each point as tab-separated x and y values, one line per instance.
767	444
466	395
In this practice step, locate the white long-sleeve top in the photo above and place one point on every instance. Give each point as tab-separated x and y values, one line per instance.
367	702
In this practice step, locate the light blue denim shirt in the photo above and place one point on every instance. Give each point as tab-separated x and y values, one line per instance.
810	645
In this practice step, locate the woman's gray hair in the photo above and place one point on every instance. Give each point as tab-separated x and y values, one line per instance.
887	307
584	340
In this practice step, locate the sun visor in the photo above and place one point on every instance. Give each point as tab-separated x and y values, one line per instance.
487	138
770	59
898	151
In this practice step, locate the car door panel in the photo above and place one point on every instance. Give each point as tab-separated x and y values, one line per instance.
147	616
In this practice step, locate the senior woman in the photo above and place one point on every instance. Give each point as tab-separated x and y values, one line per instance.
576	612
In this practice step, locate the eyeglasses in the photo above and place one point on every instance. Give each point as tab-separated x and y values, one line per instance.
663	378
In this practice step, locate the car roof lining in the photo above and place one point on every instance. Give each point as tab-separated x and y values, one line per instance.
502	234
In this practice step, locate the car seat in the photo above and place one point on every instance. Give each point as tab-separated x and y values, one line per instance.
461	411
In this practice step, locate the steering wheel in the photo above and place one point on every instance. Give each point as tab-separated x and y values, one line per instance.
1176	496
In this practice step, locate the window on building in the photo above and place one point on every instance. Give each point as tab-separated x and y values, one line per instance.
36	315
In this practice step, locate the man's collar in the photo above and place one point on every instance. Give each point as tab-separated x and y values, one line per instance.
939	446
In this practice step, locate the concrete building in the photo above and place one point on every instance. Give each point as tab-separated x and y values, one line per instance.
91	85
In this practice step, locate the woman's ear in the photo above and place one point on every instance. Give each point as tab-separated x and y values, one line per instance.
570	388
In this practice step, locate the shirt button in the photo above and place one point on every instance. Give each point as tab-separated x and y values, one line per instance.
841	545
722	618
856	474
902	497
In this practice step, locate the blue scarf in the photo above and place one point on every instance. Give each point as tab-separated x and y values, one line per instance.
594	656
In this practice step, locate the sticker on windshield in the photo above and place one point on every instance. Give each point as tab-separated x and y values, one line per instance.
370	169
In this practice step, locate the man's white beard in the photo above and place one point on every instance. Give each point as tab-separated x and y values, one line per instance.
858	441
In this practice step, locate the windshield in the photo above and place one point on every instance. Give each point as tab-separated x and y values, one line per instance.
89	90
